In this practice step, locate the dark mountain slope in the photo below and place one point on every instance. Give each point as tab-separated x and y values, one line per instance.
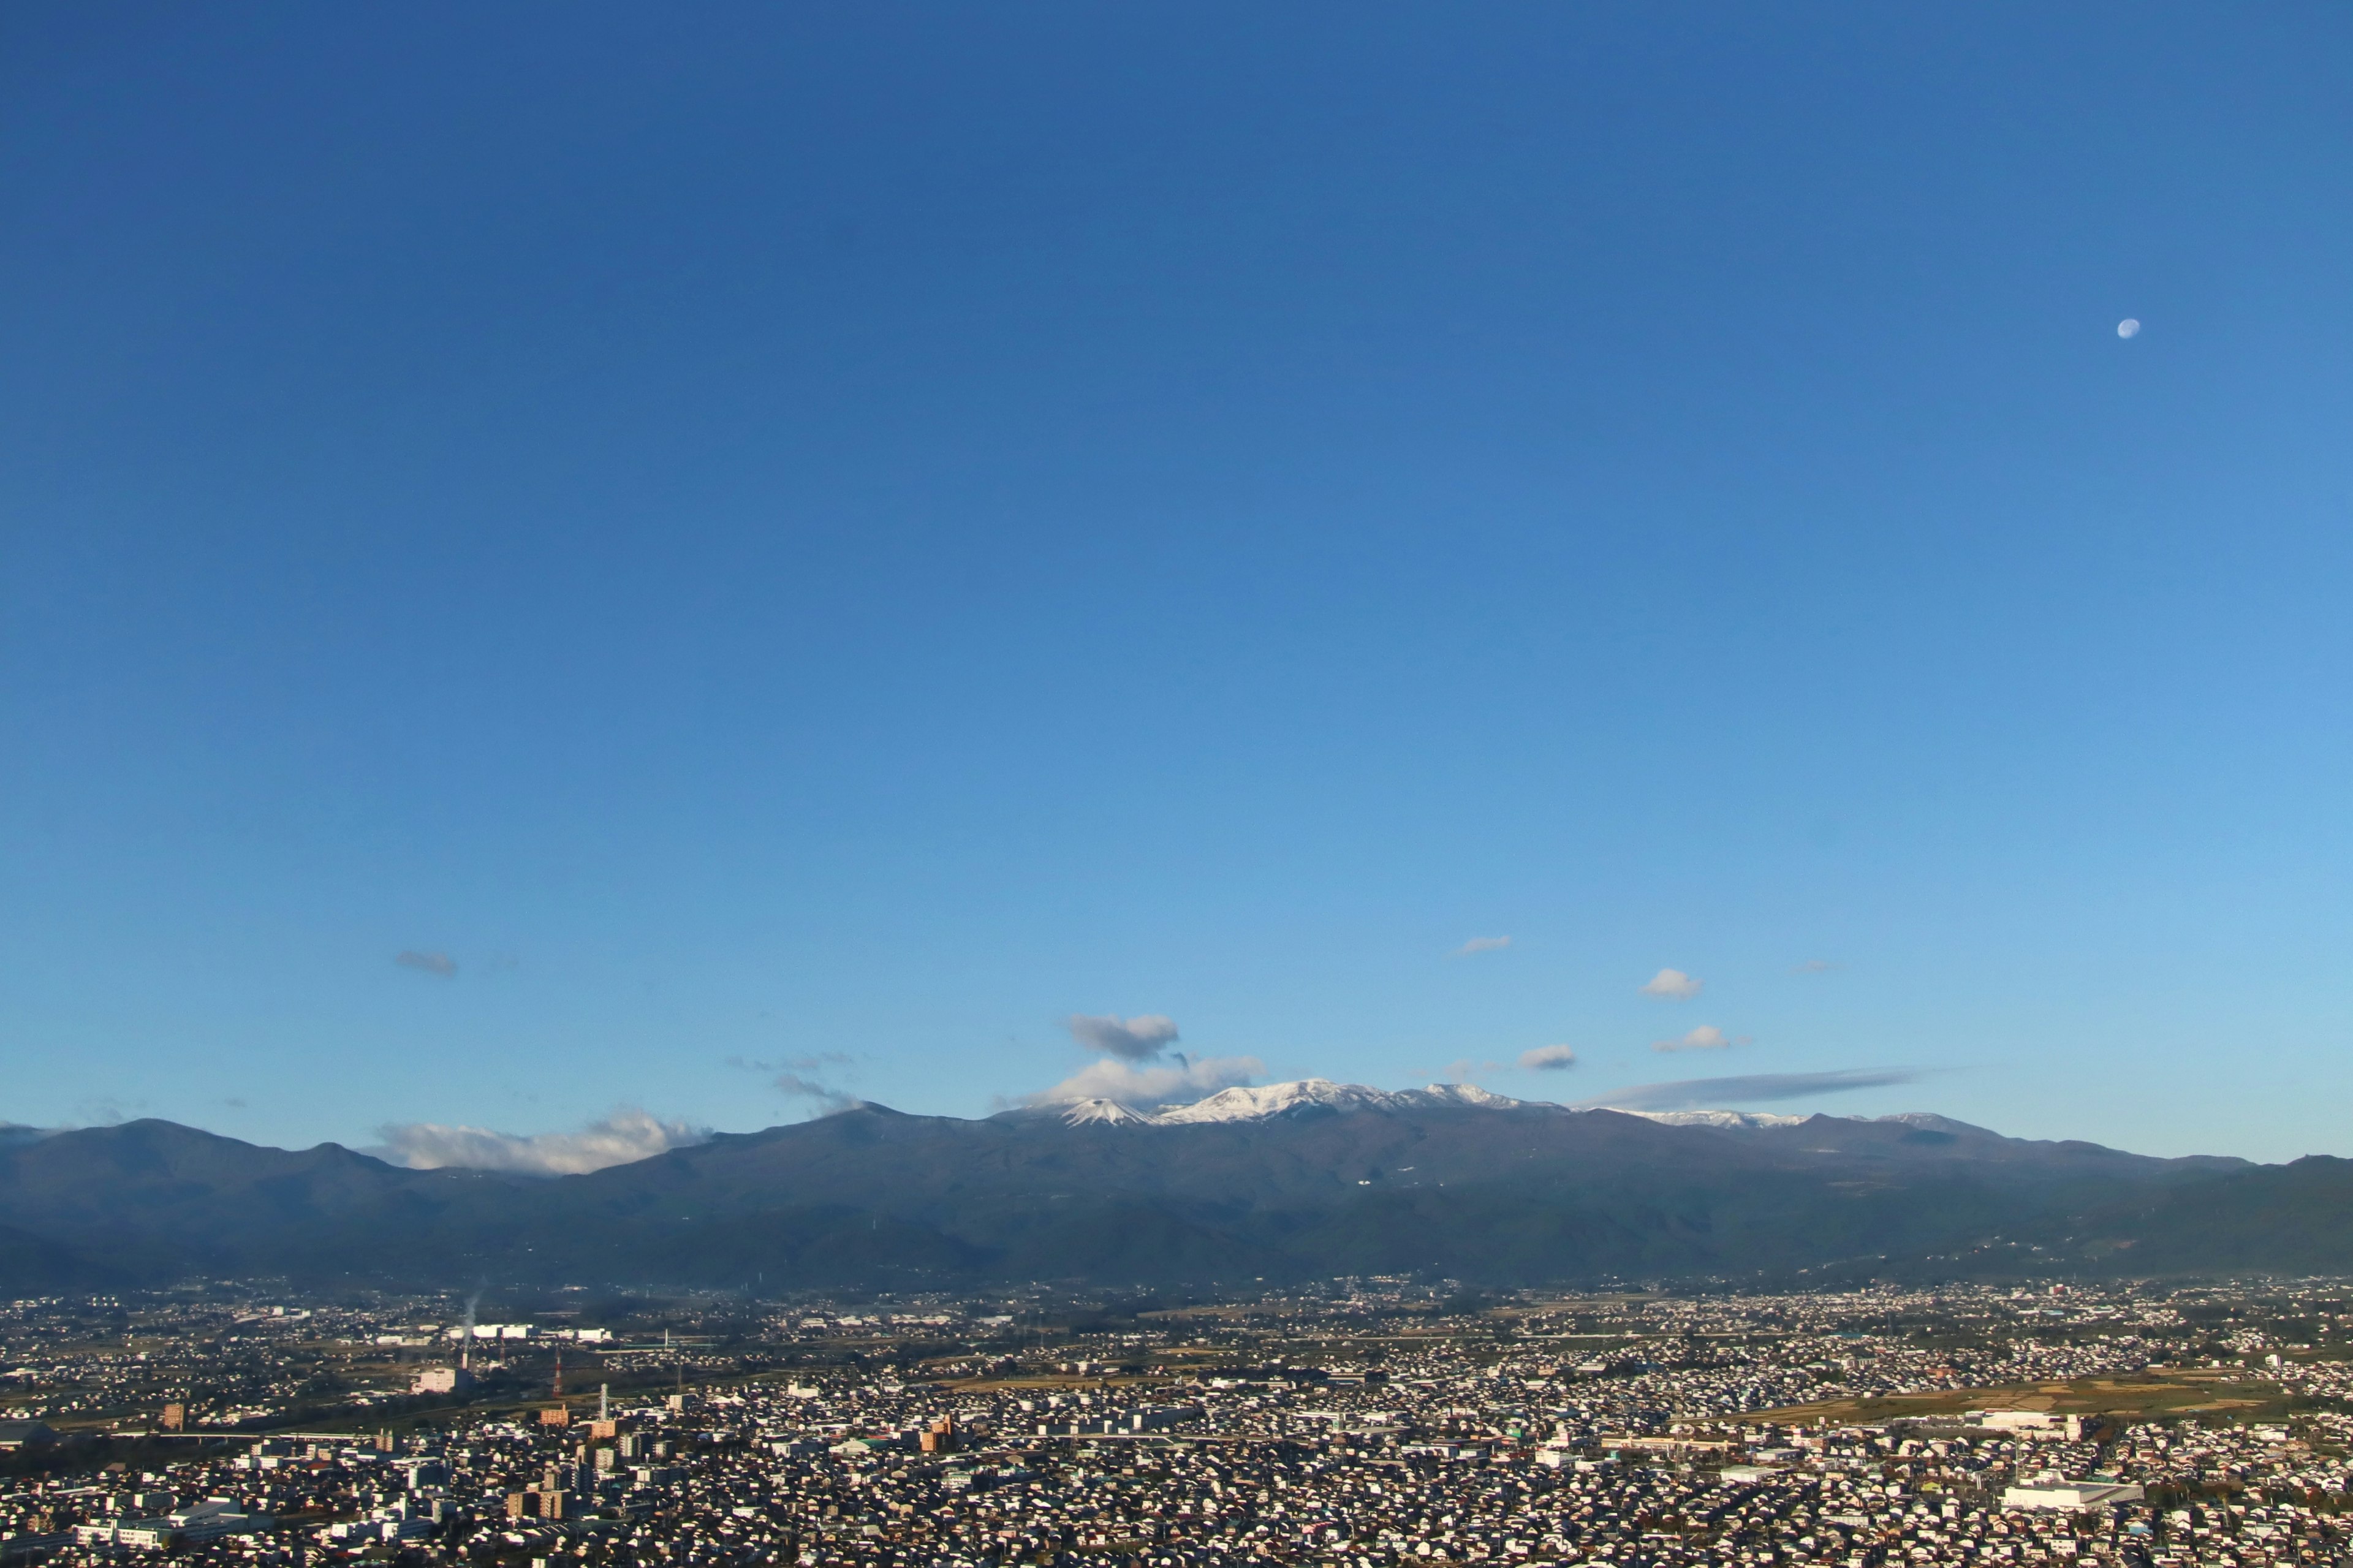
159	1172
2279	1219
1919	1140
154	1199
1509	1192
926	1165
1282	1184
35	1266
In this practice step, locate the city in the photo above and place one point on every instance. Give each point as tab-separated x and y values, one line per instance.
1369	1421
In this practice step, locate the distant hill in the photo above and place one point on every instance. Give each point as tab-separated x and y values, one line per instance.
1282	1181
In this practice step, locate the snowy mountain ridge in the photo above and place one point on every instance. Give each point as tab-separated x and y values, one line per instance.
1304	1097
1744	1120
1315	1096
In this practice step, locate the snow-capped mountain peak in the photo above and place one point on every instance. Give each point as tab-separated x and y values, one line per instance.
1255	1103
1742	1119
1108	1112
1464	1094
1321	1094
1756	1121
1323	1097
1929	1121
1304	1097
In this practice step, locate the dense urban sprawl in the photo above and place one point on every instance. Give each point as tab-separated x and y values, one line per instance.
1369	1422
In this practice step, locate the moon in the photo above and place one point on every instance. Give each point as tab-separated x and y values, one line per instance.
2128	328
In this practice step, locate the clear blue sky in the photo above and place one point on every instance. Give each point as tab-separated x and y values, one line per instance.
764	533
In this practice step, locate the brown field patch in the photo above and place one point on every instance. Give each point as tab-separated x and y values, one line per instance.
2158	1395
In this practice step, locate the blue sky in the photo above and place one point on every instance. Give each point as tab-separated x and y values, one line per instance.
847	536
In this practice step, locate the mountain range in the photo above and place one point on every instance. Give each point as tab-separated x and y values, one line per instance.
1271	1184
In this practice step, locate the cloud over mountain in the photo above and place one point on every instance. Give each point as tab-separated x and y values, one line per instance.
1108	1078
620	1139
1548	1058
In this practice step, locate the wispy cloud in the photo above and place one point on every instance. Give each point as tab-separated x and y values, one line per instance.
1673	985
1109	1077
1813	966
792	1078
817	1061
1729	1093
1135	1039
1706	1037
1480	944
1548	1058
827	1099
439	964
619	1140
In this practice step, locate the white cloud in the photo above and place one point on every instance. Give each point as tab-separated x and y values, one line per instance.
1135	1039
1110	1079
1672	985
439	964
1480	944
1548	1058
1706	1037
623	1137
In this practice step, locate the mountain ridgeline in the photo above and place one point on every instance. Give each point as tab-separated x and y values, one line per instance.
1275	1184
